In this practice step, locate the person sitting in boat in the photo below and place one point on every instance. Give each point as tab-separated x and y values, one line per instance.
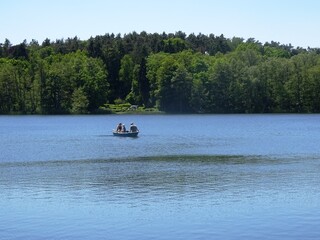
133	128
119	127
124	128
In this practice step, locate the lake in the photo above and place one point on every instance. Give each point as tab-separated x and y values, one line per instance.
184	177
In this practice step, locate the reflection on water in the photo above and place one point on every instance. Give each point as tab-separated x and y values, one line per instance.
189	196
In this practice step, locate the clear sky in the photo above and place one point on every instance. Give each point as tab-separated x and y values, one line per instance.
285	21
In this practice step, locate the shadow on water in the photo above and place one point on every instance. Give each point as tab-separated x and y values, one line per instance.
107	135
213	159
183	159
151	175
116	137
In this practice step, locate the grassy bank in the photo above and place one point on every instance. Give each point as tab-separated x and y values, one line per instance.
126	108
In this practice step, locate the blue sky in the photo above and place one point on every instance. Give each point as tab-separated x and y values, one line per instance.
285	21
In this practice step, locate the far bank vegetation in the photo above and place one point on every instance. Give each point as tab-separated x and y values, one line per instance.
172	73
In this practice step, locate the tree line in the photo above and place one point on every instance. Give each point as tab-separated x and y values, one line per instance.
174	73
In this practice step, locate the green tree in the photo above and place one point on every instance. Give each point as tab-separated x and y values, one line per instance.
174	45
299	85
314	76
218	88
126	75
80	102
60	75
144	86
7	87
154	69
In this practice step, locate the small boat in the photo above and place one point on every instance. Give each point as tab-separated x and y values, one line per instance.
125	134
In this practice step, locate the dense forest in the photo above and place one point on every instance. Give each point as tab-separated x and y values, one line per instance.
173	73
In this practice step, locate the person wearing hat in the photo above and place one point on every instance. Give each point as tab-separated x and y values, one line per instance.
133	128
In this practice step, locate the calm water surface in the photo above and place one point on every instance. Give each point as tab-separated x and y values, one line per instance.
184	177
